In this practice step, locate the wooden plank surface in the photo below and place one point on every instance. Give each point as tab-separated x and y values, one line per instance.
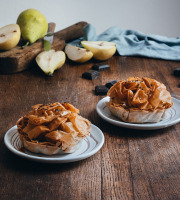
131	165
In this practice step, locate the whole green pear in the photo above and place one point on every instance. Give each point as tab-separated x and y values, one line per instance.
33	25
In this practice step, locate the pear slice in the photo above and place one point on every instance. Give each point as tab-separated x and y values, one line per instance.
9	36
49	61
101	50
78	54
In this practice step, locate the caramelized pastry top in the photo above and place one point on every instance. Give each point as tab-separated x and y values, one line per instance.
137	93
54	124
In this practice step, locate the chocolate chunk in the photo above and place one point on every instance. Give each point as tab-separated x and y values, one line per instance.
100	67
110	84
91	74
177	72
101	90
178	85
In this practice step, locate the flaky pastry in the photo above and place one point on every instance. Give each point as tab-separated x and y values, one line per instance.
53	128
139	100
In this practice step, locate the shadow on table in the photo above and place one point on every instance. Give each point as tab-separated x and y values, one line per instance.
130	133
35	71
11	161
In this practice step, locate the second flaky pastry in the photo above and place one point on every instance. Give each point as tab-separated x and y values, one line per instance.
139	100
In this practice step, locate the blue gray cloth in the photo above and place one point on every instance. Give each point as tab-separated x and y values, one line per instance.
135	43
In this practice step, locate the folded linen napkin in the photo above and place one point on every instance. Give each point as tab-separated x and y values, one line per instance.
135	43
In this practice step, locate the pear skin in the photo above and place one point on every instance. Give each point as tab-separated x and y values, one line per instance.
33	25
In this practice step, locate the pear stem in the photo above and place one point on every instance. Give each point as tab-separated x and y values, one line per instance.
50	74
27	43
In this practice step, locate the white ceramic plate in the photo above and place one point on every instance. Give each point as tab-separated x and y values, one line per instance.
172	117
90	145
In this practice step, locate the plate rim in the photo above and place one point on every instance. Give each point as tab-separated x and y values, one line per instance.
53	160
135	126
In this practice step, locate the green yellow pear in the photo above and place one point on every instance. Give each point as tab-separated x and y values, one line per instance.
33	25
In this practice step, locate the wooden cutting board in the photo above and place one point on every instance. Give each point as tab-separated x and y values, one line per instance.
18	59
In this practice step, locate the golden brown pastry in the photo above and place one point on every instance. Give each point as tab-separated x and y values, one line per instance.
53	128
139	100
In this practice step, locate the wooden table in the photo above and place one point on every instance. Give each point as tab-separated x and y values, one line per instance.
132	164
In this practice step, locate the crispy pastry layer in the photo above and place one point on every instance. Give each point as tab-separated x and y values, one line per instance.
139	100
53	128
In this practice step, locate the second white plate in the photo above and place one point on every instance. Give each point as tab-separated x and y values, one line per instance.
172	117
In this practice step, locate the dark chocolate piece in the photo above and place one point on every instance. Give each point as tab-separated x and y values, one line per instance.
101	90
91	74
179	85
177	72
110	84
100	67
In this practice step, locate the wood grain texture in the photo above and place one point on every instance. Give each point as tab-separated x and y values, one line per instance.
18	59
131	165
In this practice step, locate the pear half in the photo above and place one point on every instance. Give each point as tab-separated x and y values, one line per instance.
9	36
49	61
78	54
101	50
